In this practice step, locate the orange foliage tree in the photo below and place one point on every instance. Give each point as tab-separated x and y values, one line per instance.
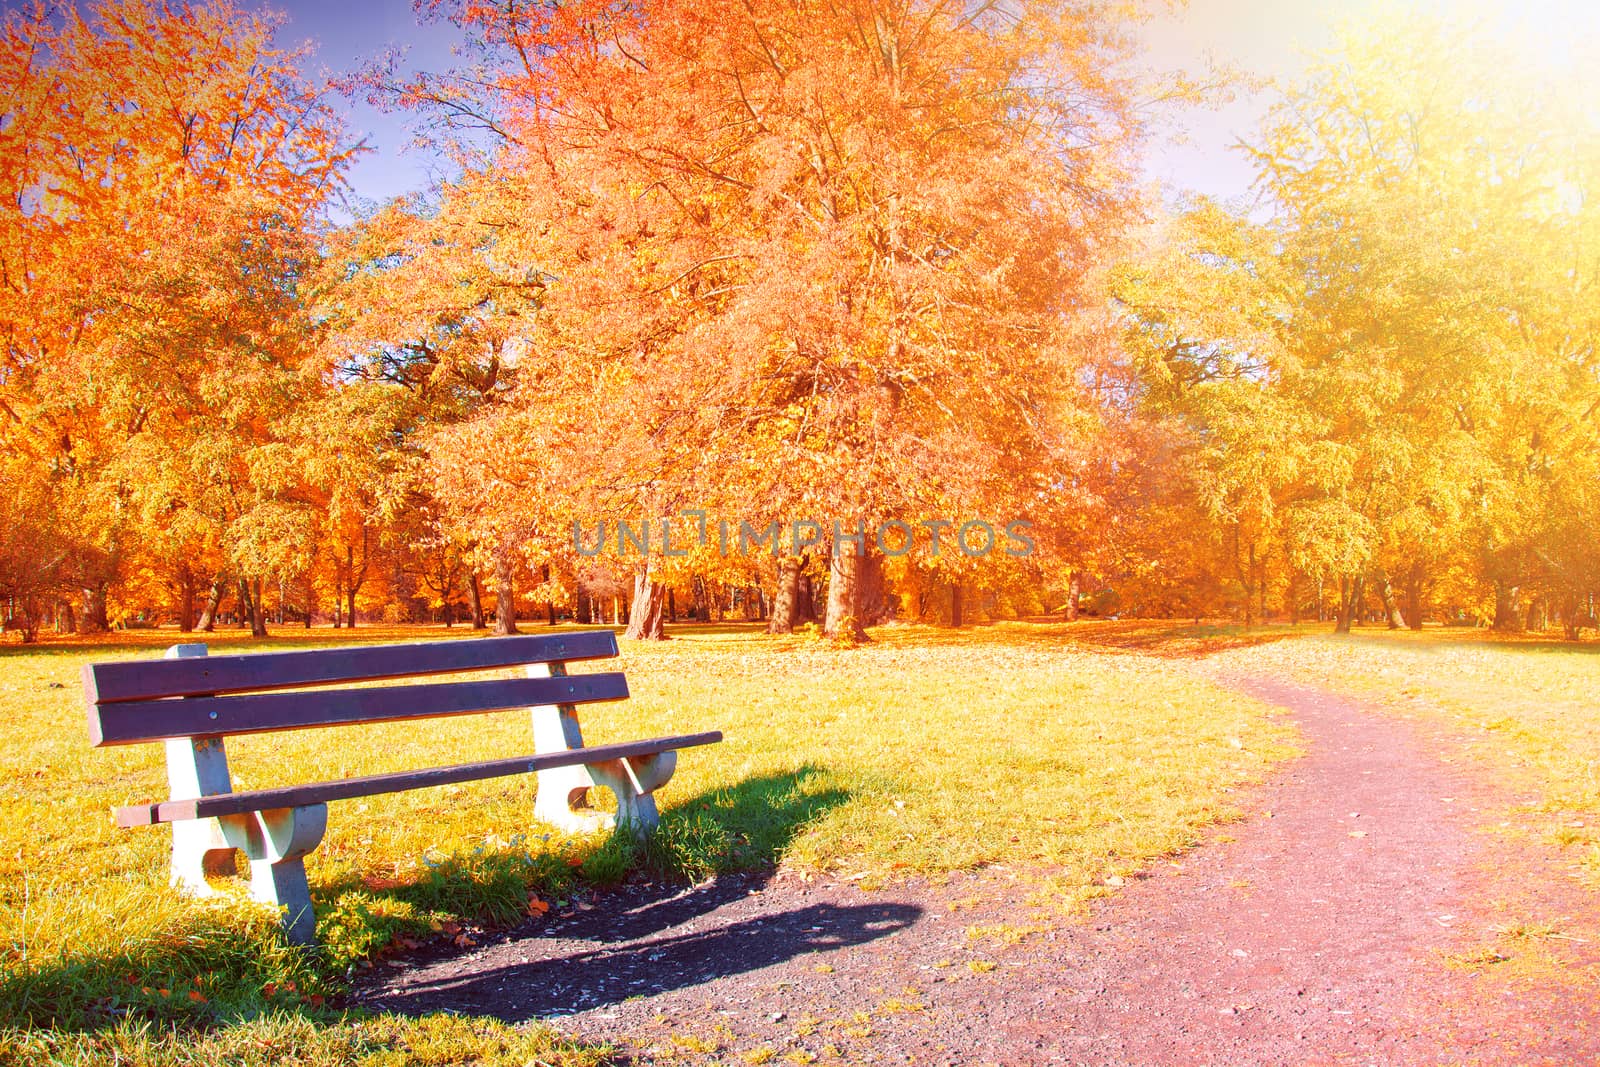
818	262
164	169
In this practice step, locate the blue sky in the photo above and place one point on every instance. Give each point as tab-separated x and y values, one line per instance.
1262	36
348	33
1265	37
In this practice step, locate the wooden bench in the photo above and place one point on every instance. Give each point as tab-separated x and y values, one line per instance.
193	701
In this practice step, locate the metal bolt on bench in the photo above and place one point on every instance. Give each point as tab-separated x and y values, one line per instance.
192	701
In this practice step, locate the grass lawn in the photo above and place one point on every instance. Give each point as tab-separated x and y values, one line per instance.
924	752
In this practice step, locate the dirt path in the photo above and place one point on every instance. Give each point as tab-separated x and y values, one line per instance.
1322	930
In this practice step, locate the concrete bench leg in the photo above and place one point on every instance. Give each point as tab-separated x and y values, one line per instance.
634	781
563	798
277	843
197	767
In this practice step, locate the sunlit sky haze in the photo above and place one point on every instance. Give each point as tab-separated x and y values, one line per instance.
1192	152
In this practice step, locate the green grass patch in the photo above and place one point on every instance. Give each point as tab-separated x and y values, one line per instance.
278	1038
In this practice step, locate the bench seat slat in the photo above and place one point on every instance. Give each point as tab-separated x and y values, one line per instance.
132	722
105	683
372	785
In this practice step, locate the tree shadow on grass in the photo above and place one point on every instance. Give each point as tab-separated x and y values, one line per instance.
1545	643
1170	639
726	628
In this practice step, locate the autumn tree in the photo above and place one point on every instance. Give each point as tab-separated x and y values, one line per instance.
810	259
164	166
1440	226
1384	368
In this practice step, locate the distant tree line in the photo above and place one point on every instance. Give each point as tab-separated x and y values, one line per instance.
857	262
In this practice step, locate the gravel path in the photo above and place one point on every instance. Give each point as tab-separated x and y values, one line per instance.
1319	930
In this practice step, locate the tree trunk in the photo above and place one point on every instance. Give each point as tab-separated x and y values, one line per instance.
1576	613
649	597
955	605
475	597
92	617
786	602
207	623
258	612
1413	593
1074	592
1391	609
806	599
583	610
872	595
702	598
549	605
352	585
843	622
1351	594
186	591
505	602
672	605
1247	578
1507	616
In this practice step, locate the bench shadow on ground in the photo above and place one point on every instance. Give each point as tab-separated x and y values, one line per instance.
608	958
740	828
649	937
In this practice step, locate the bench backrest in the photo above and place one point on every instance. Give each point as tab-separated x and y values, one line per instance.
211	696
